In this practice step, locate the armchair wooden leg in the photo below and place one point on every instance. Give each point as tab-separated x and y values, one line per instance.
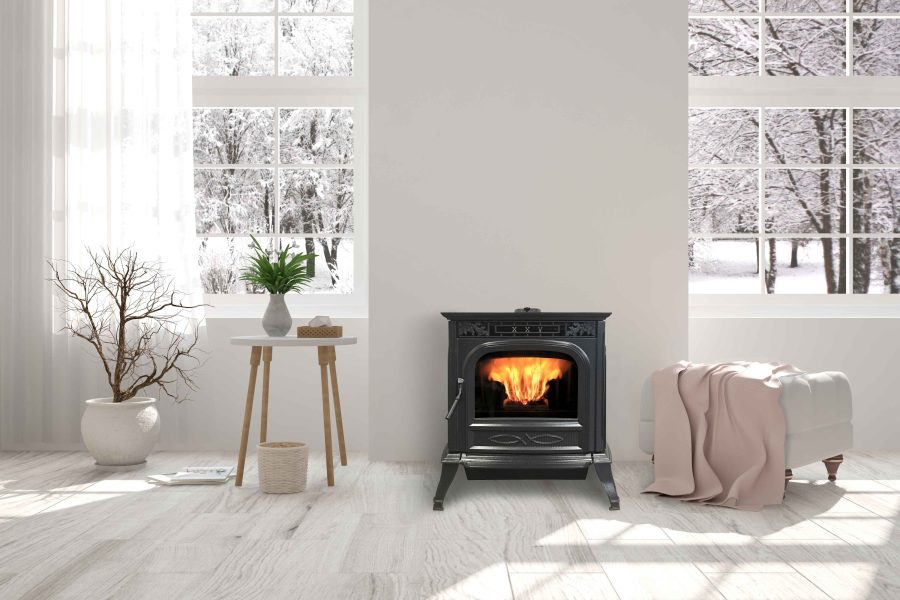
788	475
832	464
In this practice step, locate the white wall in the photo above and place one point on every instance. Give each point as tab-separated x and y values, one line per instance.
865	349
523	153
212	419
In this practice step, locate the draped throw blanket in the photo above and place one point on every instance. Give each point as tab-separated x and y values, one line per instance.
719	436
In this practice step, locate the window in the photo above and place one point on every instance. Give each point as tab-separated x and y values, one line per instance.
794	147
279	141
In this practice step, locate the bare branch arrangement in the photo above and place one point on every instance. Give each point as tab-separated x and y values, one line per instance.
128	310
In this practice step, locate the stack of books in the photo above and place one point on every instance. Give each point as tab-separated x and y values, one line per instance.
194	476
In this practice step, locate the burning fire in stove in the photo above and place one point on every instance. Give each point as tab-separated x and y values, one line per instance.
526	379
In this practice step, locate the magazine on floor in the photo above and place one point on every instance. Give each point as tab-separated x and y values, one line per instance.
194	476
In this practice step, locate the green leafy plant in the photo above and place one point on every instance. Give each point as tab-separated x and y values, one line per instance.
285	274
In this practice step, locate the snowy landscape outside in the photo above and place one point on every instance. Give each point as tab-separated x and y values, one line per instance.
282	173
781	200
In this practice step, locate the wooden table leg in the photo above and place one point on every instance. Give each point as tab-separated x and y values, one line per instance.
264	413
339	421
326	415
255	353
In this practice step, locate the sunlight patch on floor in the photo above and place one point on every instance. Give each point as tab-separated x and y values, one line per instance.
564	536
490	583
106	489
611	529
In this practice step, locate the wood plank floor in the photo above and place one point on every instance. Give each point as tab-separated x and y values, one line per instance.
69	530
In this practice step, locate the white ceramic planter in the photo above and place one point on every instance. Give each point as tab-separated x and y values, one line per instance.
120	434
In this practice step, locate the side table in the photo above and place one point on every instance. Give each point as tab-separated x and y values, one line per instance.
261	348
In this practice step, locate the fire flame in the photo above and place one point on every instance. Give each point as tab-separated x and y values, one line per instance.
526	379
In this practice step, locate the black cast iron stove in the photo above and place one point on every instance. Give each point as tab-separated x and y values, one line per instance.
526	398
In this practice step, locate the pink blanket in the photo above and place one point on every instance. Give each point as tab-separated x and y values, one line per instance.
719	436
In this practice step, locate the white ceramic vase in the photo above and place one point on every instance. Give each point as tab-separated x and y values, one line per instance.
277	319
120	434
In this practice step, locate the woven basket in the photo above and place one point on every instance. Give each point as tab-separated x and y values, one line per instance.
282	467
324	331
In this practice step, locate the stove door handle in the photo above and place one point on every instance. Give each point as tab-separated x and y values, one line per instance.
459	391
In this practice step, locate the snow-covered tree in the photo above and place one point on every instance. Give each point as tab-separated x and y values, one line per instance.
798	200
808	200
876	195
218	257
805	46
317	201
233	136
799	46
316	136
236	164
805	6
723	47
234	199
875	6
726	136
701	6
233	46
201	6
316	5
724	201
317	46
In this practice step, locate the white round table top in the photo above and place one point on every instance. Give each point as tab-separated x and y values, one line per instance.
265	340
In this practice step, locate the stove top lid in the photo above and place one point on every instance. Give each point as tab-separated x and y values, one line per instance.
530	315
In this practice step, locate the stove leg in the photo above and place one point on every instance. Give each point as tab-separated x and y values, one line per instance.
448	472
604	473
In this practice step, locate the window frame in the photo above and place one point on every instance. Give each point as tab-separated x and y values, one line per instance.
293	91
847	92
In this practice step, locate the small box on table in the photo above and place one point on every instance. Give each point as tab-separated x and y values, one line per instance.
322	331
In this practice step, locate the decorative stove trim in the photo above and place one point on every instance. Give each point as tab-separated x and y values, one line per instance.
526	329
581	329
471	329
527	439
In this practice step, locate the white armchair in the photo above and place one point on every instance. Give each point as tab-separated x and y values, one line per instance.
818	419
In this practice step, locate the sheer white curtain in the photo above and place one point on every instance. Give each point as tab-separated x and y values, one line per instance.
129	178
25	215
95	150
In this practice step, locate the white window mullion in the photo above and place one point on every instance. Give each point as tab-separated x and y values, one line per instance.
761	33
849	55
762	255
276	42
850	160
276	184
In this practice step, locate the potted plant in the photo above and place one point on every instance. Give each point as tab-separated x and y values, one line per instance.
285	274
128	311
